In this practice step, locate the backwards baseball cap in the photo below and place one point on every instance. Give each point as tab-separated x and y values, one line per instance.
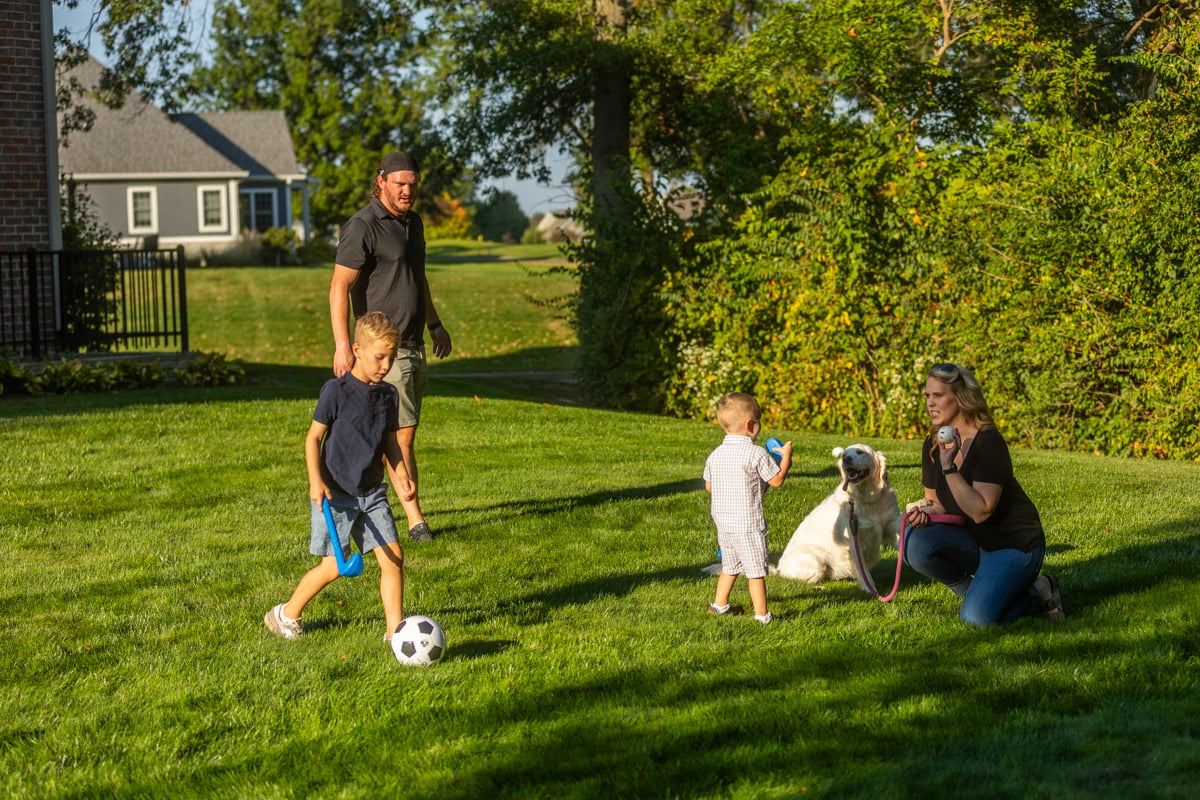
397	161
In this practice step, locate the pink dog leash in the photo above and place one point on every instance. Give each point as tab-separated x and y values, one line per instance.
865	575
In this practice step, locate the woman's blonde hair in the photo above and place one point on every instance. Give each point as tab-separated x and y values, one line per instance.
967	392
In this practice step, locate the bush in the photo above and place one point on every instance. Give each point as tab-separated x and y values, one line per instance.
318	250
210	369
14	378
448	219
74	376
279	246
1059	264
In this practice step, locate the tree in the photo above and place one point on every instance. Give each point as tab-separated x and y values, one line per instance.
151	43
500	219
621	85
347	76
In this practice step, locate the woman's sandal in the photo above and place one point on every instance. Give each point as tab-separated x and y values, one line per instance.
1050	598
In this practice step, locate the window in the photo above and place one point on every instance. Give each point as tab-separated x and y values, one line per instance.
142	209
257	209
210	200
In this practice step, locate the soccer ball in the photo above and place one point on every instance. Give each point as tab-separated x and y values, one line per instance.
418	642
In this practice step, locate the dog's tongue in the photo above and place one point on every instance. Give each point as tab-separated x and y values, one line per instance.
846	484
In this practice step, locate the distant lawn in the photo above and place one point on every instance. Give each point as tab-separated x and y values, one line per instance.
455	249
146	533
506	313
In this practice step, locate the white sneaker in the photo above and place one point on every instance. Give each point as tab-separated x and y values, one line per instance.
765	619
277	625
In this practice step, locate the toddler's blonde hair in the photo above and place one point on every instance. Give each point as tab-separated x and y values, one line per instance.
734	409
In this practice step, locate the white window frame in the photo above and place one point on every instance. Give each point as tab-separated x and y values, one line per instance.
129	195
223	225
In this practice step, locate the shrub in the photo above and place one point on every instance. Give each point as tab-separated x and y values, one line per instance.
210	369
317	250
72	375
448	219
279	245
15	378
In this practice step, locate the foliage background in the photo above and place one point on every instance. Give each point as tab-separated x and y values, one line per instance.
1051	250
885	184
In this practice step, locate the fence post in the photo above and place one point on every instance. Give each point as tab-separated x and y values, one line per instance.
35	311
183	319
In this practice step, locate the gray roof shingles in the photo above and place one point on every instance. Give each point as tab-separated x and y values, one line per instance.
139	139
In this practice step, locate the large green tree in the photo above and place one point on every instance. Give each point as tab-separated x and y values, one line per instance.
623	86
347	74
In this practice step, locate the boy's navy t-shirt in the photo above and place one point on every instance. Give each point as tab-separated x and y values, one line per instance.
360	417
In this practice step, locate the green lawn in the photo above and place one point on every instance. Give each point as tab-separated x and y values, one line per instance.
146	533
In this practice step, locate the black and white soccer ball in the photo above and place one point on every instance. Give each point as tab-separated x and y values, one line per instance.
418	641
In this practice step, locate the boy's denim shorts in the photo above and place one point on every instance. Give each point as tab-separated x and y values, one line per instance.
367	520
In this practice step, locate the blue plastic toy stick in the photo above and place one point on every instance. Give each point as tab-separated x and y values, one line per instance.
347	567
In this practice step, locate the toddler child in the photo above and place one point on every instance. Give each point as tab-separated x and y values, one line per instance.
736	475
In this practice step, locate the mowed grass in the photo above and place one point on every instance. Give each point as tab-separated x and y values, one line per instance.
146	533
505	310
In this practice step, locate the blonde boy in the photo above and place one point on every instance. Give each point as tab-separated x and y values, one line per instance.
351	439
737	474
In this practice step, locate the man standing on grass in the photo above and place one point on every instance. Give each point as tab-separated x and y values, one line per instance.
380	266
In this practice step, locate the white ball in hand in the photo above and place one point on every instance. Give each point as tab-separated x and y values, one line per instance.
945	434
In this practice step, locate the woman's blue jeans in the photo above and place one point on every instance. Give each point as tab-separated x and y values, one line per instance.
1001	581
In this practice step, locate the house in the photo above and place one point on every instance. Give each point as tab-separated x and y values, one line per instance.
196	180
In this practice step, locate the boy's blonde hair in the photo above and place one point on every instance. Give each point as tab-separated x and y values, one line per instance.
374	326
735	408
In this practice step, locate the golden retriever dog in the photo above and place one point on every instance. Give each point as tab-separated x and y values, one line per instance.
820	549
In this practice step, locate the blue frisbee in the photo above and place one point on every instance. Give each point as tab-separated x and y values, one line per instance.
775	448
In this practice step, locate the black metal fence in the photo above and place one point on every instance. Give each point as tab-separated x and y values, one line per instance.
76	301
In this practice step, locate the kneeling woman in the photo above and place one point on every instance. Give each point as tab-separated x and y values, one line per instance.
993	560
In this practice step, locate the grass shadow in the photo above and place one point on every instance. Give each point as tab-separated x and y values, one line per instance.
491	513
498	377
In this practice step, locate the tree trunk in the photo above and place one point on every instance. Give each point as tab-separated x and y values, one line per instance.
612	102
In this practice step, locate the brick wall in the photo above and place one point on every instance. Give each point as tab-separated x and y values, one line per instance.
26	206
24	184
